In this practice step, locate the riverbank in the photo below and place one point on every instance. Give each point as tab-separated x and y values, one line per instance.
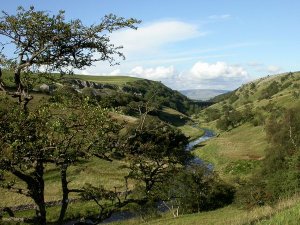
192	131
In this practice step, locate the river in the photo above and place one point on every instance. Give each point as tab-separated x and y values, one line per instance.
208	134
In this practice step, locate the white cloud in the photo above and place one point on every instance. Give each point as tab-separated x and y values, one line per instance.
206	71
219	75
153	36
157	73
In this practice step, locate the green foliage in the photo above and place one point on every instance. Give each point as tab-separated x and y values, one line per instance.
154	151
44	39
279	176
161	95
48	135
196	189
270	90
231	119
212	114
38	40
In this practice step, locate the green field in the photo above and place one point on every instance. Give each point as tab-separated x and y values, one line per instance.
118	80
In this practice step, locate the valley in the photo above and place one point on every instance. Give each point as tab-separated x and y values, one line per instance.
94	129
235	154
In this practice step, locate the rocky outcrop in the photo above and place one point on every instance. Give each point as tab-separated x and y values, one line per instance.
79	84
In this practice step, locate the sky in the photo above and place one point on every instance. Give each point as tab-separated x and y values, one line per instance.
192	44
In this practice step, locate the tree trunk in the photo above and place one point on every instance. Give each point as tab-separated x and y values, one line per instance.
1	81
38	193
65	190
19	86
21	94
35	185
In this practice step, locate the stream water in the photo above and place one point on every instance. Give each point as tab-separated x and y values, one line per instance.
208	134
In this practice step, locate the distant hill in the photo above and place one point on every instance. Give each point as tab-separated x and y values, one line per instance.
202	94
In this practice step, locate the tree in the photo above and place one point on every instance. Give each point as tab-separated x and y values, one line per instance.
195	188
87	131
49	42
154	152
49	135
25	149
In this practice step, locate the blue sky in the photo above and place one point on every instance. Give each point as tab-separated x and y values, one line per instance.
193	43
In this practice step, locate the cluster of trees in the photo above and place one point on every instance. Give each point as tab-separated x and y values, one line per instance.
232	118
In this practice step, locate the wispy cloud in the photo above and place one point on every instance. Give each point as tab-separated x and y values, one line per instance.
261	67
154	36
219	17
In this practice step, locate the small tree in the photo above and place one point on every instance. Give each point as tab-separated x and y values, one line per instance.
49	42
194	189
154	153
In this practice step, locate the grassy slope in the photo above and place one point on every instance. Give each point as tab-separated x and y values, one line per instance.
180	121
285	212
95	172
118	80
238	152
232	152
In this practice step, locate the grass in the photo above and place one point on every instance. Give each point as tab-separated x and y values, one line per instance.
181	121
191	132
97	171
118	80
285	211
8	78
236	152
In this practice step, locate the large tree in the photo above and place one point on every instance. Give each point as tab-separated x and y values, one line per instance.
40	40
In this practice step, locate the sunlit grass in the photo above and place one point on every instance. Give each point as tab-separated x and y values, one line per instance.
286	211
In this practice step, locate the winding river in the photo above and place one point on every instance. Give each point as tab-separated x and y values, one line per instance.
208	134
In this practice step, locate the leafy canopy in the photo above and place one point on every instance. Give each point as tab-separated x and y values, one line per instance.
48	40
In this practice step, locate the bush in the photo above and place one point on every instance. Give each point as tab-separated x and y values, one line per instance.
197	189
269	91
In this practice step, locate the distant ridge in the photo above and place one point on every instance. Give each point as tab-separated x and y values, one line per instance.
202	94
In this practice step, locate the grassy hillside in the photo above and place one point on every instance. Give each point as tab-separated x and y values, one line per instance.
118	80
284	212
245	143
238	152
